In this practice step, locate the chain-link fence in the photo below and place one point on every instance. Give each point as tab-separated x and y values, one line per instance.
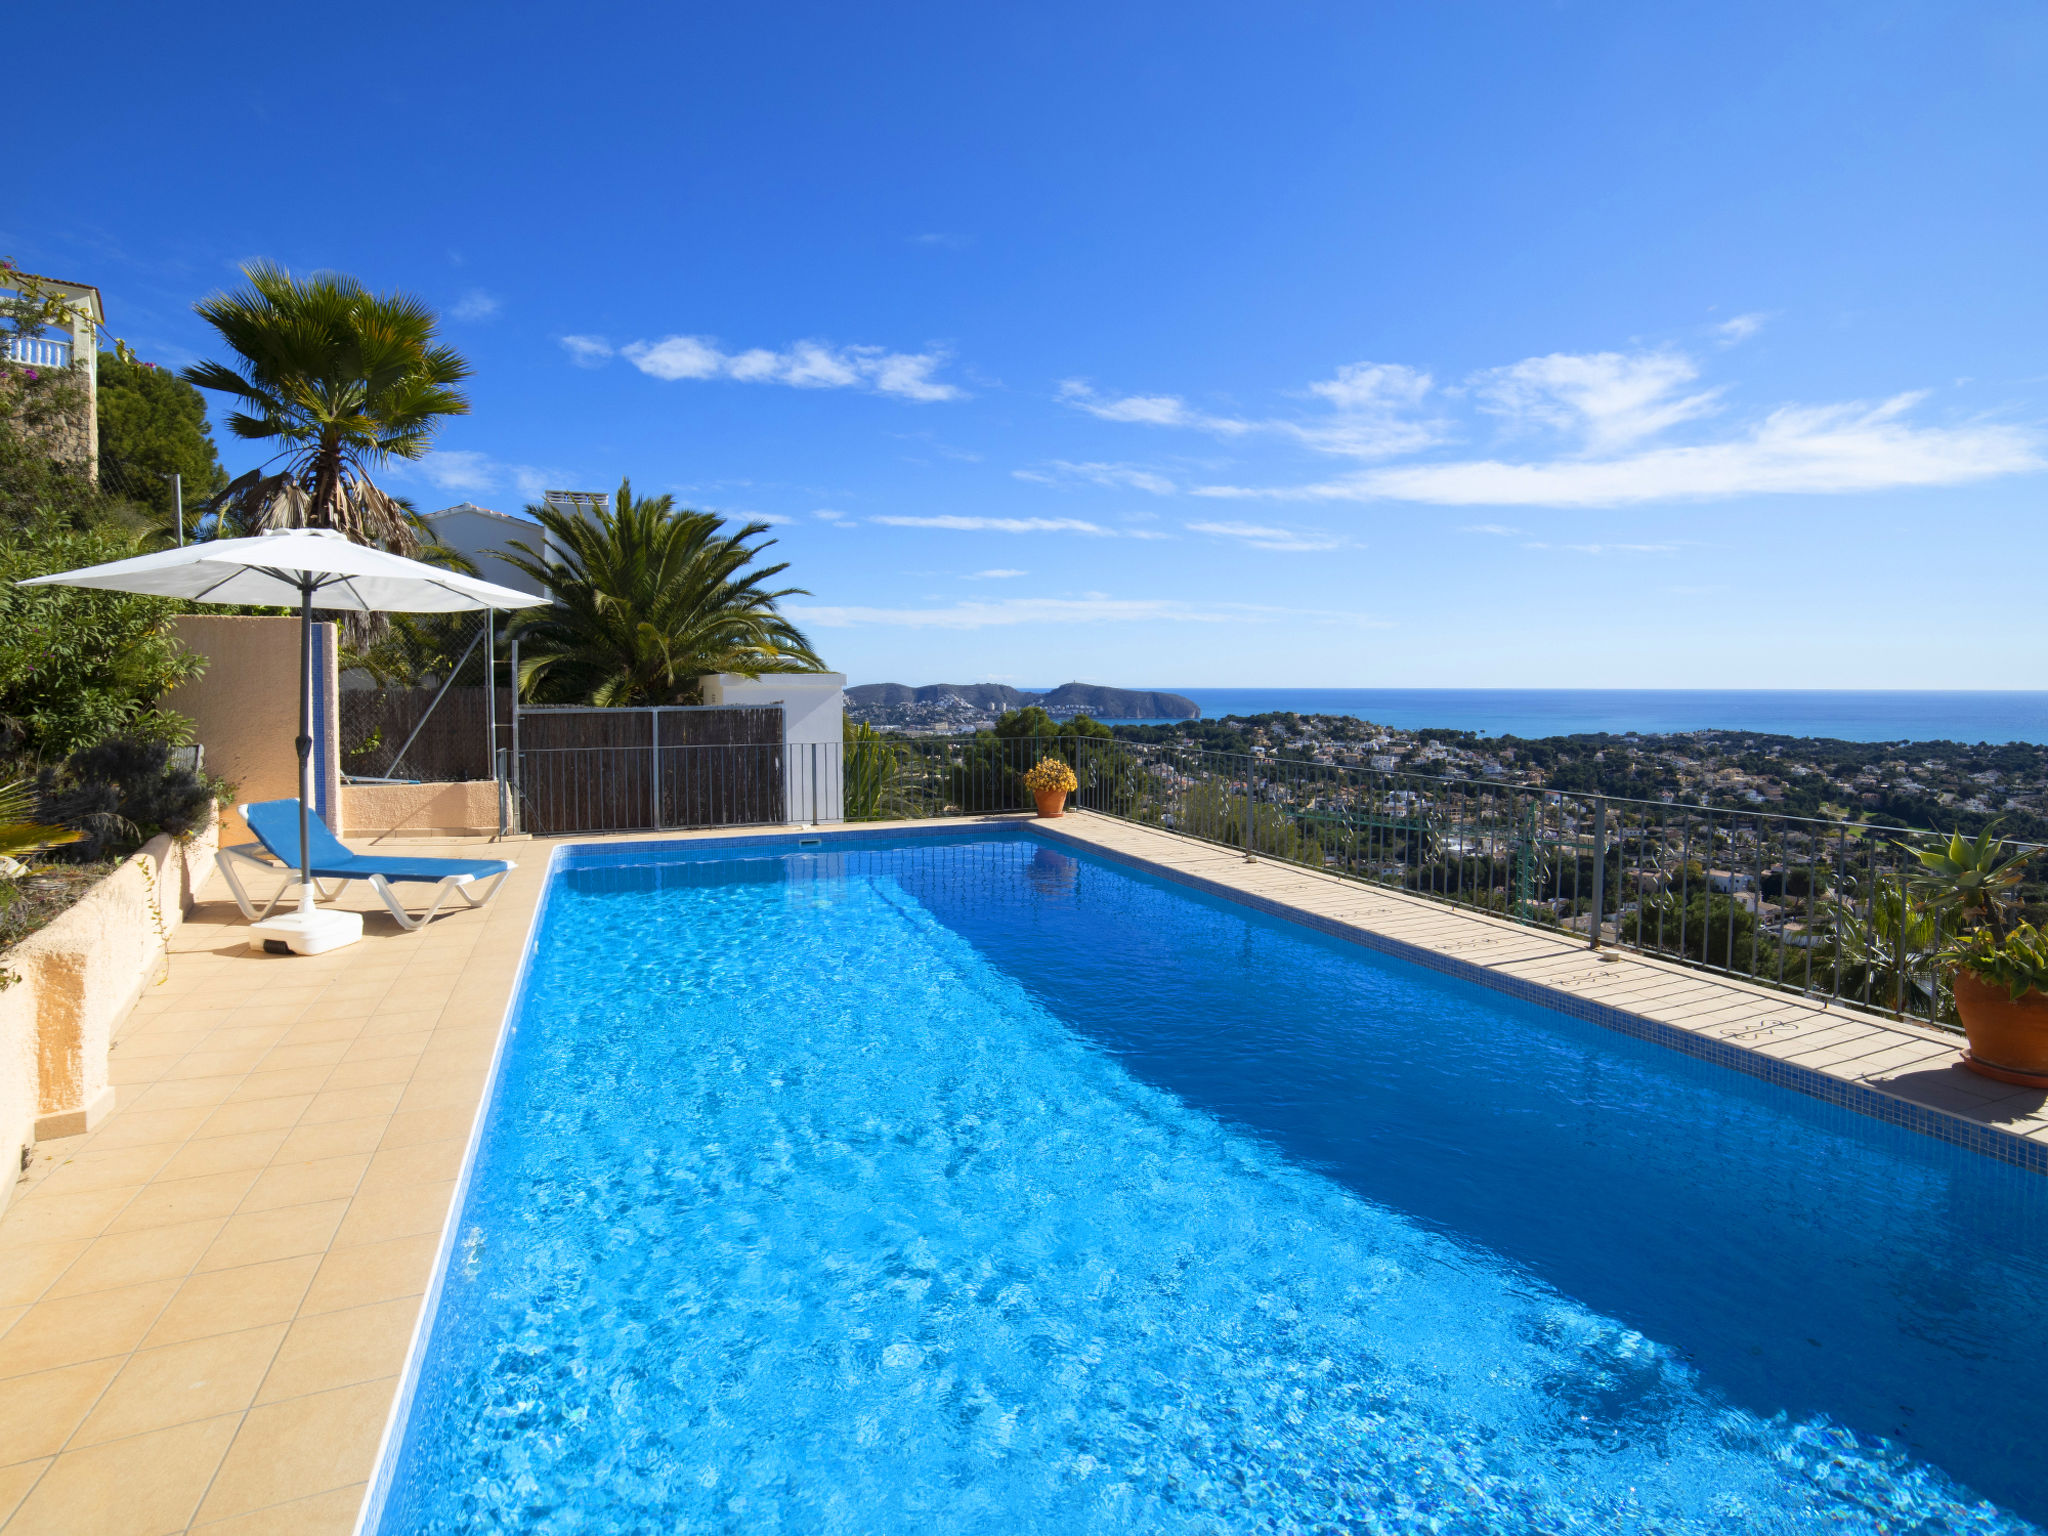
414	704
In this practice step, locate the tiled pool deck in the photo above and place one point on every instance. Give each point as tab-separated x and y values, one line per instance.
205	1303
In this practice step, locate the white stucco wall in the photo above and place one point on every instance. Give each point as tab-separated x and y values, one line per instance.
813	732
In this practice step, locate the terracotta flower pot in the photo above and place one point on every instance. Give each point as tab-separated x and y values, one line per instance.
2008	1040
1051	802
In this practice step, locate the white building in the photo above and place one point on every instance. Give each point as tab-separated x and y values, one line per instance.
478	532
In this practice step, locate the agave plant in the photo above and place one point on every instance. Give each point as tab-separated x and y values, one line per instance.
1969	877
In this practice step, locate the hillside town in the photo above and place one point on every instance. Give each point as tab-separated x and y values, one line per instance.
1926	784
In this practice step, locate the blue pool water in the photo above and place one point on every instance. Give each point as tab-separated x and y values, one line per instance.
958	1184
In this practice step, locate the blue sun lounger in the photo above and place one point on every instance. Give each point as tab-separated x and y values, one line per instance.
276	823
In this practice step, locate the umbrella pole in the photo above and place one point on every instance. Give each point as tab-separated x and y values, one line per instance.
305	745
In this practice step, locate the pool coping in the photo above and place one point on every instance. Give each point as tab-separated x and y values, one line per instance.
1183	861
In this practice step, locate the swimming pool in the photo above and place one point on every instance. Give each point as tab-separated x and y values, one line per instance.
958	1183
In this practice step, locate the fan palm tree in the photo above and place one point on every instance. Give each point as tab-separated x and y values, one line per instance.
342	380
649	597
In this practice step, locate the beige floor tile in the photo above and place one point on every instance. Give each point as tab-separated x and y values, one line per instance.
187	1092
315	1053
148	1127
325	1514
256	1237
27	1269
354	1103
357	1277
300	1447
236	1037
339	1349
332	1138
289	1083
373	1073
224	1154
178	1383
79	1328
411	1127
408	1211
176	1201
143	1486
120	1168
328	1178
409	1023
15	1482
426	1162
37	1217
131	1258
318	1031
254	1115
383	1047
39	1412
215	1064
446	1090
227	1300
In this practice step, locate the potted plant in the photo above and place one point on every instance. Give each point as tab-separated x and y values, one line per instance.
2001	989
1999	971
1050	781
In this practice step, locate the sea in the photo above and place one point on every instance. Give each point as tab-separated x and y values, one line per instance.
1845	714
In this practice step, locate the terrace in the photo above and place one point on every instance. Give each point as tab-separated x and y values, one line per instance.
207	1302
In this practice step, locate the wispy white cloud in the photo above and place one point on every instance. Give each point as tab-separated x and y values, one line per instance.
1740	329
474	305
467	473
1371	412
804	365
1623	429
1498	530
1091	608
960	524
1796	450
1609	399
1147	410
1372	415
995	575
1116	476
1261	536
588	351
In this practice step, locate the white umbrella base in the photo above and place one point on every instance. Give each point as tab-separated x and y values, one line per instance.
306	933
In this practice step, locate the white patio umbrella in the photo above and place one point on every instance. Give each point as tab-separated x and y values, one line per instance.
314	568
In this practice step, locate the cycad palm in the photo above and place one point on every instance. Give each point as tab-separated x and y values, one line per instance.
647	599
341	379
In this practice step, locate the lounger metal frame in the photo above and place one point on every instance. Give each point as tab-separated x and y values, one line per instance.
256	856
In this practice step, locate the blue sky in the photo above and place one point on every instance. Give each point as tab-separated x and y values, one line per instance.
1180	345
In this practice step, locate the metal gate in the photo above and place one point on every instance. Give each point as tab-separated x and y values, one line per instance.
666	768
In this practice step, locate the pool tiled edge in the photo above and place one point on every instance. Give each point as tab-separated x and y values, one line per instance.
1915	1079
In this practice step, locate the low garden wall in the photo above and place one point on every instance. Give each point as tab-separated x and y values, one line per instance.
79	977
373	811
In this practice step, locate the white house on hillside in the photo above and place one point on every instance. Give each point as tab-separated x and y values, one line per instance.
475	531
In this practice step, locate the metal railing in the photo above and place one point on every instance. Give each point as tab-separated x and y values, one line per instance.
39	351
1820	908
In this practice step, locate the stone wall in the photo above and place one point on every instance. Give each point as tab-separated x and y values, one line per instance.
79	977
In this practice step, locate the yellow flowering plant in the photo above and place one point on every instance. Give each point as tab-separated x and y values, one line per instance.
1050	773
